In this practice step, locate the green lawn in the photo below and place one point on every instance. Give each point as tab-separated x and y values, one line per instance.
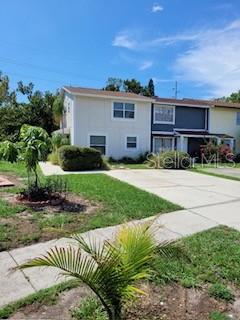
202	168
118	202
213	257
14	168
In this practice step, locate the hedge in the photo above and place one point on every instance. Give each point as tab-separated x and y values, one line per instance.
73	158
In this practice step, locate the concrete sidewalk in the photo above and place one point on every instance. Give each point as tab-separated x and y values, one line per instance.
19	284
50	169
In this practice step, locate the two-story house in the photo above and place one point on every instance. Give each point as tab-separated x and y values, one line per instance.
116	123
187	124
125	124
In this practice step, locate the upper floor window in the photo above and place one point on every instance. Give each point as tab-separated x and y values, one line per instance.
238	118
164	114
123	110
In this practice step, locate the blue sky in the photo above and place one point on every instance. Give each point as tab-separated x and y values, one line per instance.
83	42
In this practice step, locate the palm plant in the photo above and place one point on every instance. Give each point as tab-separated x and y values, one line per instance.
110	269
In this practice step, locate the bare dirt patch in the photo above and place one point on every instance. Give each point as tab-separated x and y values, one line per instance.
175	302
72	203
60	311
172	302
39	223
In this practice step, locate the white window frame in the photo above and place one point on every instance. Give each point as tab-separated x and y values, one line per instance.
237	115
131	136
124	119
164	106
100	135
158	137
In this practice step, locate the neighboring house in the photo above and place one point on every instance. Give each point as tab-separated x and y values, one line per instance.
187	124
125	124
116	123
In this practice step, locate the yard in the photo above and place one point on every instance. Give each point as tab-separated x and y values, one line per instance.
224	170
97	200
202	282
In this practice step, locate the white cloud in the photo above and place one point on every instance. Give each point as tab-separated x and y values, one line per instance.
159	80
146	65
213	60
124	40
157	7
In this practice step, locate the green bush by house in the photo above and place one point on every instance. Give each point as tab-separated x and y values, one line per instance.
72	158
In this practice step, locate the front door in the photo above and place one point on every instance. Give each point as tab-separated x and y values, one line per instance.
194	146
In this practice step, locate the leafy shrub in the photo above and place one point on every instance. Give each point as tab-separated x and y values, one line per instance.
59	140
52	188
53	157
169	160
129	160
89	309
8	151
220	291
72	158
213	153
236	158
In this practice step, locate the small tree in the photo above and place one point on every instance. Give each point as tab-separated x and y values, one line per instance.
111	269
58	109
33	147
151	88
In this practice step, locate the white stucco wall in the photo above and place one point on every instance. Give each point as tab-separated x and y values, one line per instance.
93	116
224	120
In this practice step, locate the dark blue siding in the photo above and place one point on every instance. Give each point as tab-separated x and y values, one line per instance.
185	118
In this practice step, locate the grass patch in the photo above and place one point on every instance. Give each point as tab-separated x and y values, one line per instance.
220	291
8	210
121	201
89	309
215	315
43	297
203	170
214	257
16	168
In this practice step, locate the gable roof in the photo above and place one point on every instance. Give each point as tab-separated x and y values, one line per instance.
197	102
88	92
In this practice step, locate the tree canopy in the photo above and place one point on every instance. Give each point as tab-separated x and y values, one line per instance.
130	85
37	110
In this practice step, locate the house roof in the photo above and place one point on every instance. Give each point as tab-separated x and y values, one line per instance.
88	92
202	133
197	102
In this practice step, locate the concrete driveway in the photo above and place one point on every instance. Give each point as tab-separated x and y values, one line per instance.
212	198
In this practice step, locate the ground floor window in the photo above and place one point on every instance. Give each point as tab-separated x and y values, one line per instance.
131	142
161	144
98	142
